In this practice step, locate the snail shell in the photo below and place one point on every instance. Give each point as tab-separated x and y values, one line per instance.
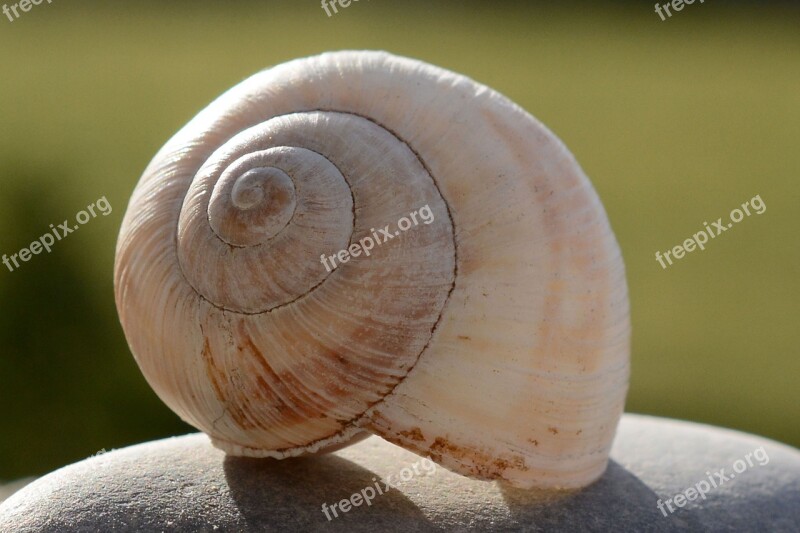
493	339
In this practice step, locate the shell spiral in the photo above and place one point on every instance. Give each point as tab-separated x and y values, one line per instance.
360	243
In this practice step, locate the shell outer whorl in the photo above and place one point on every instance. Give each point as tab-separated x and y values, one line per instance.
514	293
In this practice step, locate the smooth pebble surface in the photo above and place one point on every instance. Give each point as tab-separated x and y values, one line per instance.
184	484
7	489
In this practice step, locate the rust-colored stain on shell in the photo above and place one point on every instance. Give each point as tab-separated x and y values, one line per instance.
217	377
479	463
270	383
211	370
413	434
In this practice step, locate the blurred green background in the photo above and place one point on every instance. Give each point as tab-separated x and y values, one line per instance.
676	122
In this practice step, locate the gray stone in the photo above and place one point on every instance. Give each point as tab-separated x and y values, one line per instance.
7	489
183	484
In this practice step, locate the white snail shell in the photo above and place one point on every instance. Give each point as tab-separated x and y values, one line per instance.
494	340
